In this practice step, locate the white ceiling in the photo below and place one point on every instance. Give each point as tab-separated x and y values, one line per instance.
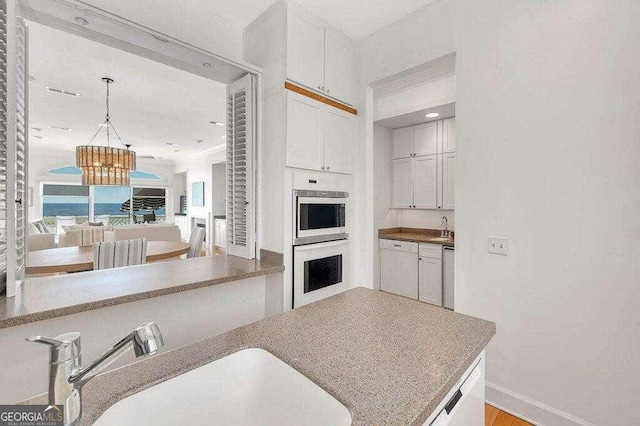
418	117
356	18
152	104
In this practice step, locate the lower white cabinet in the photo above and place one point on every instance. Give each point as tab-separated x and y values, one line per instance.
412	270
220	233
430	274
181	223
399	267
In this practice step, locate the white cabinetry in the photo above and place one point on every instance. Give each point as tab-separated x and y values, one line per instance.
318	136
220	233
430	274
181	223
424	166
319	57
399	267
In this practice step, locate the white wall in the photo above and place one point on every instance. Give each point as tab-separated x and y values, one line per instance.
179	188
183	318
415	97
548	152
199	169
182	20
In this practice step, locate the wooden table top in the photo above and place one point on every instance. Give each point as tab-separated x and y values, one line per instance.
77	259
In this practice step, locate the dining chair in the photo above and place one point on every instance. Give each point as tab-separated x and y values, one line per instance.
195	241
64	221
116	254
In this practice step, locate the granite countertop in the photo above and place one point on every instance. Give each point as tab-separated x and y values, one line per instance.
390	360
417	235
49	297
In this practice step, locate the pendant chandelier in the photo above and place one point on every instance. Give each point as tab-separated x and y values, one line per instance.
105	165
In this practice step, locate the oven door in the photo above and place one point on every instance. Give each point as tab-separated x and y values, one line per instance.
318	216
319	270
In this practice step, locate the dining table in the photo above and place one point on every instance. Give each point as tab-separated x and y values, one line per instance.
79	259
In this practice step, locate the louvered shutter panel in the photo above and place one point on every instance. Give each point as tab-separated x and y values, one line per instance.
13	69
240	171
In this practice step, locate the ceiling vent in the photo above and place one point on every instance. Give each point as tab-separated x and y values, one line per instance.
149	157
66	129
61	91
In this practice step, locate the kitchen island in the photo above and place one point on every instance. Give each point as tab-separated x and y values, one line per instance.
388	359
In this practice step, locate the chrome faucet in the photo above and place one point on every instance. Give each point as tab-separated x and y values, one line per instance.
444	233
66	377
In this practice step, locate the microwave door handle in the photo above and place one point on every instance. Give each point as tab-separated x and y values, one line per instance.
316	246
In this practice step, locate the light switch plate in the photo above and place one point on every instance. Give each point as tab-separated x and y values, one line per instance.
498	245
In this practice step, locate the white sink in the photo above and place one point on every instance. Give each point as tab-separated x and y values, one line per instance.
250	387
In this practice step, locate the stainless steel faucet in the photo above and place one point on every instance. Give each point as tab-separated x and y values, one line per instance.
66	377
445	224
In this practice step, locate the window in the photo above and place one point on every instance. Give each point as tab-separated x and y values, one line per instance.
108	202
73	170
149	204
67	202
111	205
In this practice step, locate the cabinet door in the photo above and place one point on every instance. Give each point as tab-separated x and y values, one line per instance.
425	139
448	134
399	272
403	183
339	138
448	181
339	69
425	182
305	52
430	280
403	142
305	146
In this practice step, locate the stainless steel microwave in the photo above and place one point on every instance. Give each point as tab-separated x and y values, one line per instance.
320	216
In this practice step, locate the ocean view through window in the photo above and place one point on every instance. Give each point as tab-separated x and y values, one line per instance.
112	206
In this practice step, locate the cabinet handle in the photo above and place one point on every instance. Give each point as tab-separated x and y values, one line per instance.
322	168
320	88
327	167
328	91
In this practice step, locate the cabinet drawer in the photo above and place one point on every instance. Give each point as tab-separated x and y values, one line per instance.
407	246
433	251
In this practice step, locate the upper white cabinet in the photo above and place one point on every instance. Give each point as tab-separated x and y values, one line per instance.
403	143
448	138
318	136
305	52
319	57
305	142
424	166
339	68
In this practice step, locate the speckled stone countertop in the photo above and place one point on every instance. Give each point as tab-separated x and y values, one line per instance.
417	235
49	297
390	360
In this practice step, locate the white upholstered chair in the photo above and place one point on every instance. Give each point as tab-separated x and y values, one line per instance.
195	242
104	218
64	221
116	254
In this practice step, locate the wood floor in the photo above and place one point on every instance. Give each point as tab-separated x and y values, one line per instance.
495	417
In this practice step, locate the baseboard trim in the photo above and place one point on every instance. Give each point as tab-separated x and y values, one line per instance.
527	409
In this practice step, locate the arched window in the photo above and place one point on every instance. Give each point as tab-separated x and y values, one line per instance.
72	170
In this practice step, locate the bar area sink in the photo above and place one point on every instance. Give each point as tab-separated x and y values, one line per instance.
249	387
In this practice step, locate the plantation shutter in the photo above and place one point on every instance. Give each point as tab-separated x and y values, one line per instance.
14	134
240	168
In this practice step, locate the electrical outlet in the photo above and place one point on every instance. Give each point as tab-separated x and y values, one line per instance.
498	245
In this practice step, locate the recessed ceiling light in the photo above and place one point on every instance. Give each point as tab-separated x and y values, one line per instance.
81	21
176	150
432	115
66	129
216	123
37	129
199	140
207	65
173	144
37	136
61	91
